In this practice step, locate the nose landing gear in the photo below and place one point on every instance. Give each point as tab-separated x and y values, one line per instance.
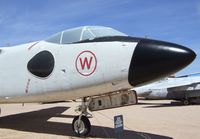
81	124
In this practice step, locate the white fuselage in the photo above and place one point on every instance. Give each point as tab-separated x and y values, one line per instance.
85	61
66	81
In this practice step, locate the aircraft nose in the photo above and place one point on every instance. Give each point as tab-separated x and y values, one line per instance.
156	59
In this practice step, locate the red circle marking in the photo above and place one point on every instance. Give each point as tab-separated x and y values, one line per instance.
76	64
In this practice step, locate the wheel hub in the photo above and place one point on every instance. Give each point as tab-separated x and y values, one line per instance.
79	127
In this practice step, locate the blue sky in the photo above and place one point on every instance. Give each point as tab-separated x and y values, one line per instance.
177	21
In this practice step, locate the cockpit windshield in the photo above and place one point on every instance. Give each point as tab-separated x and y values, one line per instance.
83	33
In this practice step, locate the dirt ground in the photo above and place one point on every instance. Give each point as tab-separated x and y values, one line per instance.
147	120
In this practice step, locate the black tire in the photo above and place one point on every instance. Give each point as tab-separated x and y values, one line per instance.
84	128
186	102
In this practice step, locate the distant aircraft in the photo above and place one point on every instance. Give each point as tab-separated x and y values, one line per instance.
84	62
183	88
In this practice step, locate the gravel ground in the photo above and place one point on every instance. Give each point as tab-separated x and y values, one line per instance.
148	120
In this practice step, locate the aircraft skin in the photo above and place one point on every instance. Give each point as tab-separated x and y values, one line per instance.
65	82
85	68
170	88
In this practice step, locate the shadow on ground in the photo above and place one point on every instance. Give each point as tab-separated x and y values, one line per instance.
159	105
37	122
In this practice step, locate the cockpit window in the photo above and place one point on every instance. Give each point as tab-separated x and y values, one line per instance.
55	38
83	33
87	35
70	36
101	32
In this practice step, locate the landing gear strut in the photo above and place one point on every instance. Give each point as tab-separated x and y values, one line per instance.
81	124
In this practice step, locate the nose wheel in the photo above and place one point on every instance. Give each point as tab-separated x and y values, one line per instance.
81	127
81	124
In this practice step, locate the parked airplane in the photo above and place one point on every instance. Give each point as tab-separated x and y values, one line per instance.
83	62
183	88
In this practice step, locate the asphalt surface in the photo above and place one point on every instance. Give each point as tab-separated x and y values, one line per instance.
147	120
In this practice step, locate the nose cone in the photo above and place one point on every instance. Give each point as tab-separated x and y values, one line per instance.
156	59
